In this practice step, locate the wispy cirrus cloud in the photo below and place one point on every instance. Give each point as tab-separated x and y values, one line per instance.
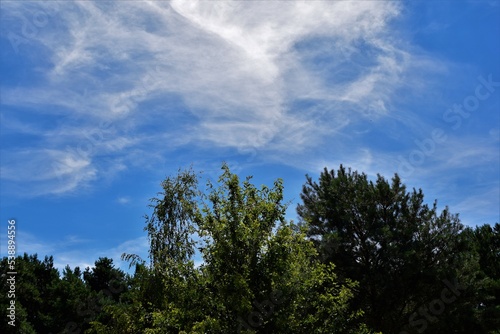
277	79
123	200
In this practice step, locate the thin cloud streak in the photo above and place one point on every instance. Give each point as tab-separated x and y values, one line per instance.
232	65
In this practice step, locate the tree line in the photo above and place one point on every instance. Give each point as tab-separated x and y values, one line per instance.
364	257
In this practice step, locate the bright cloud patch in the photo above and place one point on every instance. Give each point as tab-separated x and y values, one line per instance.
237	68
103	100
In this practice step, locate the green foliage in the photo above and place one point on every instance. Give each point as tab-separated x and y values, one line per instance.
251	255
324	305
366	255
104	278
487	242
36	293
397	247
170	227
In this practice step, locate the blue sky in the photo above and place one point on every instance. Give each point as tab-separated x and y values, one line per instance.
100	101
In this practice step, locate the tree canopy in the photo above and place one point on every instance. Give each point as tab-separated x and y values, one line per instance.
366	256
402	252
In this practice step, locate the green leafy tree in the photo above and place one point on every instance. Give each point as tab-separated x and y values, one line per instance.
398	248
486	239
45	303
70	294
105	279
163	293
36	284
256	274
257	268
237	228
134	312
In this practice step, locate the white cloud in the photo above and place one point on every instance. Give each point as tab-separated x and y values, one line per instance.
44	171
123	200
239	67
